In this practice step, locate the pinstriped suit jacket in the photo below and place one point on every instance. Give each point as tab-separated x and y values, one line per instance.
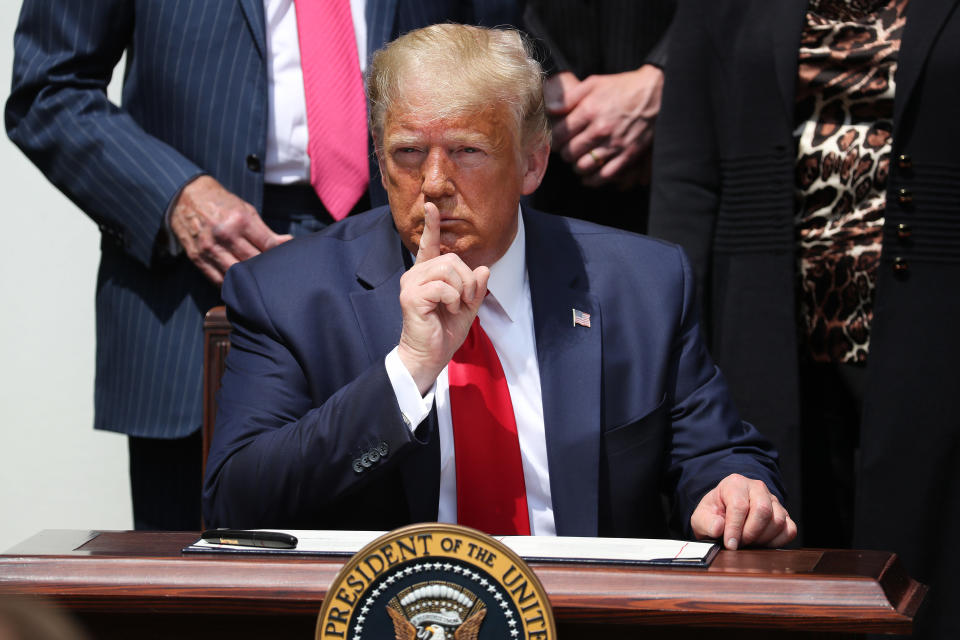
194	101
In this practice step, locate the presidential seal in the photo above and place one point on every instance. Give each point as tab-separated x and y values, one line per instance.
435	582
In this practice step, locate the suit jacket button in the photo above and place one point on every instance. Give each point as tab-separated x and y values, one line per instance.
905	162
253	163
904	231
358	466
904	196
900	265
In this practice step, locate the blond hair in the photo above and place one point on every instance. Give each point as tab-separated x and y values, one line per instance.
464	69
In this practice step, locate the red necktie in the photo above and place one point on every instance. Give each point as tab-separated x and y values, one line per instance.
336	105
491	495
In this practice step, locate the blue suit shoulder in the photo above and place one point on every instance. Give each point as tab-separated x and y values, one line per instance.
341	246
608	250
591	233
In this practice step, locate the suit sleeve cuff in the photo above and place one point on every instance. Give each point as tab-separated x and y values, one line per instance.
172	245
657	56
414	407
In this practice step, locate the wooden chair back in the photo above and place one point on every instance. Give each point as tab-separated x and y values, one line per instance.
216	344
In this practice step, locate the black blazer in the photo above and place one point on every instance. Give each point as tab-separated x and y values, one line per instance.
605	36
723	188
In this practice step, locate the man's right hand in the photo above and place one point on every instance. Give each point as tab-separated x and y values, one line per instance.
217	229
439	297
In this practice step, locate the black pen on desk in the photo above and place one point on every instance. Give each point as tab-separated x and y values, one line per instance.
248	538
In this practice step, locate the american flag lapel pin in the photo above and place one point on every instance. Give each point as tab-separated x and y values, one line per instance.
581	319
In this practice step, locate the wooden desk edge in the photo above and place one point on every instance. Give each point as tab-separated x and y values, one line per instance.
168	581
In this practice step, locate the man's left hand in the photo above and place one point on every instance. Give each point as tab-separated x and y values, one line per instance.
742	512
603	126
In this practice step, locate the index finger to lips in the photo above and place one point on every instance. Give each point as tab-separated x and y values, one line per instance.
430	238
452	270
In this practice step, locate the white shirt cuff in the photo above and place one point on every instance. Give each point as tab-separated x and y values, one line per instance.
413	406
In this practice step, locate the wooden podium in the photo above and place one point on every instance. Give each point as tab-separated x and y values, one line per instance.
139	584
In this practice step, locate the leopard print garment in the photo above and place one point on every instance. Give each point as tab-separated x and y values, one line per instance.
845	90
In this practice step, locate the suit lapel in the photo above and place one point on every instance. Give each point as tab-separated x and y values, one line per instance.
924	22
785	29
377	306
377	310
570	372
253	10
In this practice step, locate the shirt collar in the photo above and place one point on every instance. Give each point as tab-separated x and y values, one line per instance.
508	275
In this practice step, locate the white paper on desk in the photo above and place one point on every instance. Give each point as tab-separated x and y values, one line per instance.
617	550
539	548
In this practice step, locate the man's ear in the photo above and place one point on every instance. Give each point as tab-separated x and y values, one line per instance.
535	165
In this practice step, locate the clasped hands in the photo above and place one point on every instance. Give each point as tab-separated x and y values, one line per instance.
603	125
440	296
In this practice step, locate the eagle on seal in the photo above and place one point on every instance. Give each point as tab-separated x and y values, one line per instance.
404	630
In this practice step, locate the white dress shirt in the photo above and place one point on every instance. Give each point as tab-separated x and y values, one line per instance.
506	316
286	159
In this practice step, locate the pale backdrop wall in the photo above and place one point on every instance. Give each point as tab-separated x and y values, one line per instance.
56	472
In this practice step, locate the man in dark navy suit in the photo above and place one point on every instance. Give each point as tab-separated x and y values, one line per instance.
204	164
352	356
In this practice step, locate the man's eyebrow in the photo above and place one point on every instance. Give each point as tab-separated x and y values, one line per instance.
470	136
404	138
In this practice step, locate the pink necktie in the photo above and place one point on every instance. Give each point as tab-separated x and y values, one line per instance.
491	494
336	105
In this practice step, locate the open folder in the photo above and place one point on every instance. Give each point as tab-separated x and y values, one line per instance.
637	551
